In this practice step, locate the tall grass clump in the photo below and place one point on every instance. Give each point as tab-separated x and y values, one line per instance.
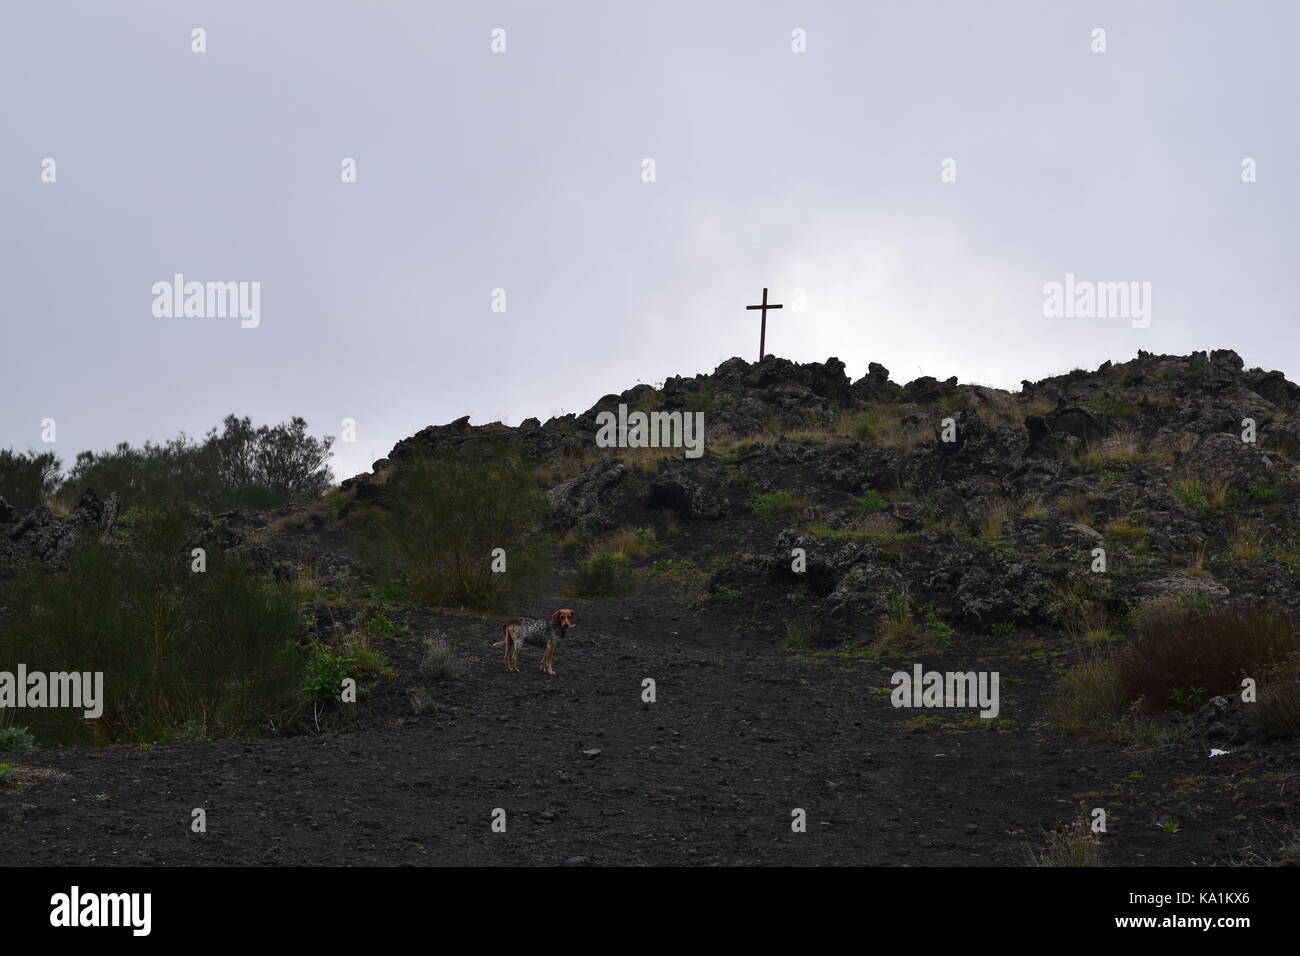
440	520
1071	845
603	575
1177	661
189	653
607	569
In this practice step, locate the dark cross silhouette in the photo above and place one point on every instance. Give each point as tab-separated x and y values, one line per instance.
762	334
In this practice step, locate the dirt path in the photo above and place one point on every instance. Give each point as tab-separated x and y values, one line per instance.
740	735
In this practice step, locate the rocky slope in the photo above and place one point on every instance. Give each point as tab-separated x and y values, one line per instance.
1144	459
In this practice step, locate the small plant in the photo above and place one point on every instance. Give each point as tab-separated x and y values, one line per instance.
1072	845
326	671
386	594
1082	615
380	626
440	661
627	544
1191	492
992	517
1075	507
1003	628
1188	698
776	501
898	629
871	500
6	773
1195	602
1169	826
664	564
16	740
936	631
605	575
1247	541
795	640
724	593
1124	531
729	458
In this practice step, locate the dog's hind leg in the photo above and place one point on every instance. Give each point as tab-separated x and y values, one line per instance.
511	646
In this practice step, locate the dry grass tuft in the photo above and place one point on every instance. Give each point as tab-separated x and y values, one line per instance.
1072	845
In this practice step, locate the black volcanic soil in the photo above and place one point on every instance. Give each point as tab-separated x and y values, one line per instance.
743	731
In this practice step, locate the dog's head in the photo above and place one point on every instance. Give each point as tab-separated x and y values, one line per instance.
563	619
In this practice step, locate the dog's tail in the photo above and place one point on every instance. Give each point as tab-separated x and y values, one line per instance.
505	632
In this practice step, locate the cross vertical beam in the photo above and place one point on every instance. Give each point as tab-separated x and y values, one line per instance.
762	334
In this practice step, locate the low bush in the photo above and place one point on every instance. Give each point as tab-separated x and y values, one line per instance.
440	662
442	519
28	479
1177	661
177	648
604	575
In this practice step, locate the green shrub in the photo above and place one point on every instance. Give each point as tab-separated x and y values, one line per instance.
238	467
380	626
214	649
871	501
440	520
603	575
1192	493
325	672
16	740
897	630
936	630
772	502
28	479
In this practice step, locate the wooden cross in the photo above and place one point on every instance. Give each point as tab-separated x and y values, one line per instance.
762	335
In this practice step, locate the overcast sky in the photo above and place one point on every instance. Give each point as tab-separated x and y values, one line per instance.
523	171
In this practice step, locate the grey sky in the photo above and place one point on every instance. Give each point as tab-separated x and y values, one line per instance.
522	171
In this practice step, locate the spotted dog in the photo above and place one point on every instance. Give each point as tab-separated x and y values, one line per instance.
536	631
